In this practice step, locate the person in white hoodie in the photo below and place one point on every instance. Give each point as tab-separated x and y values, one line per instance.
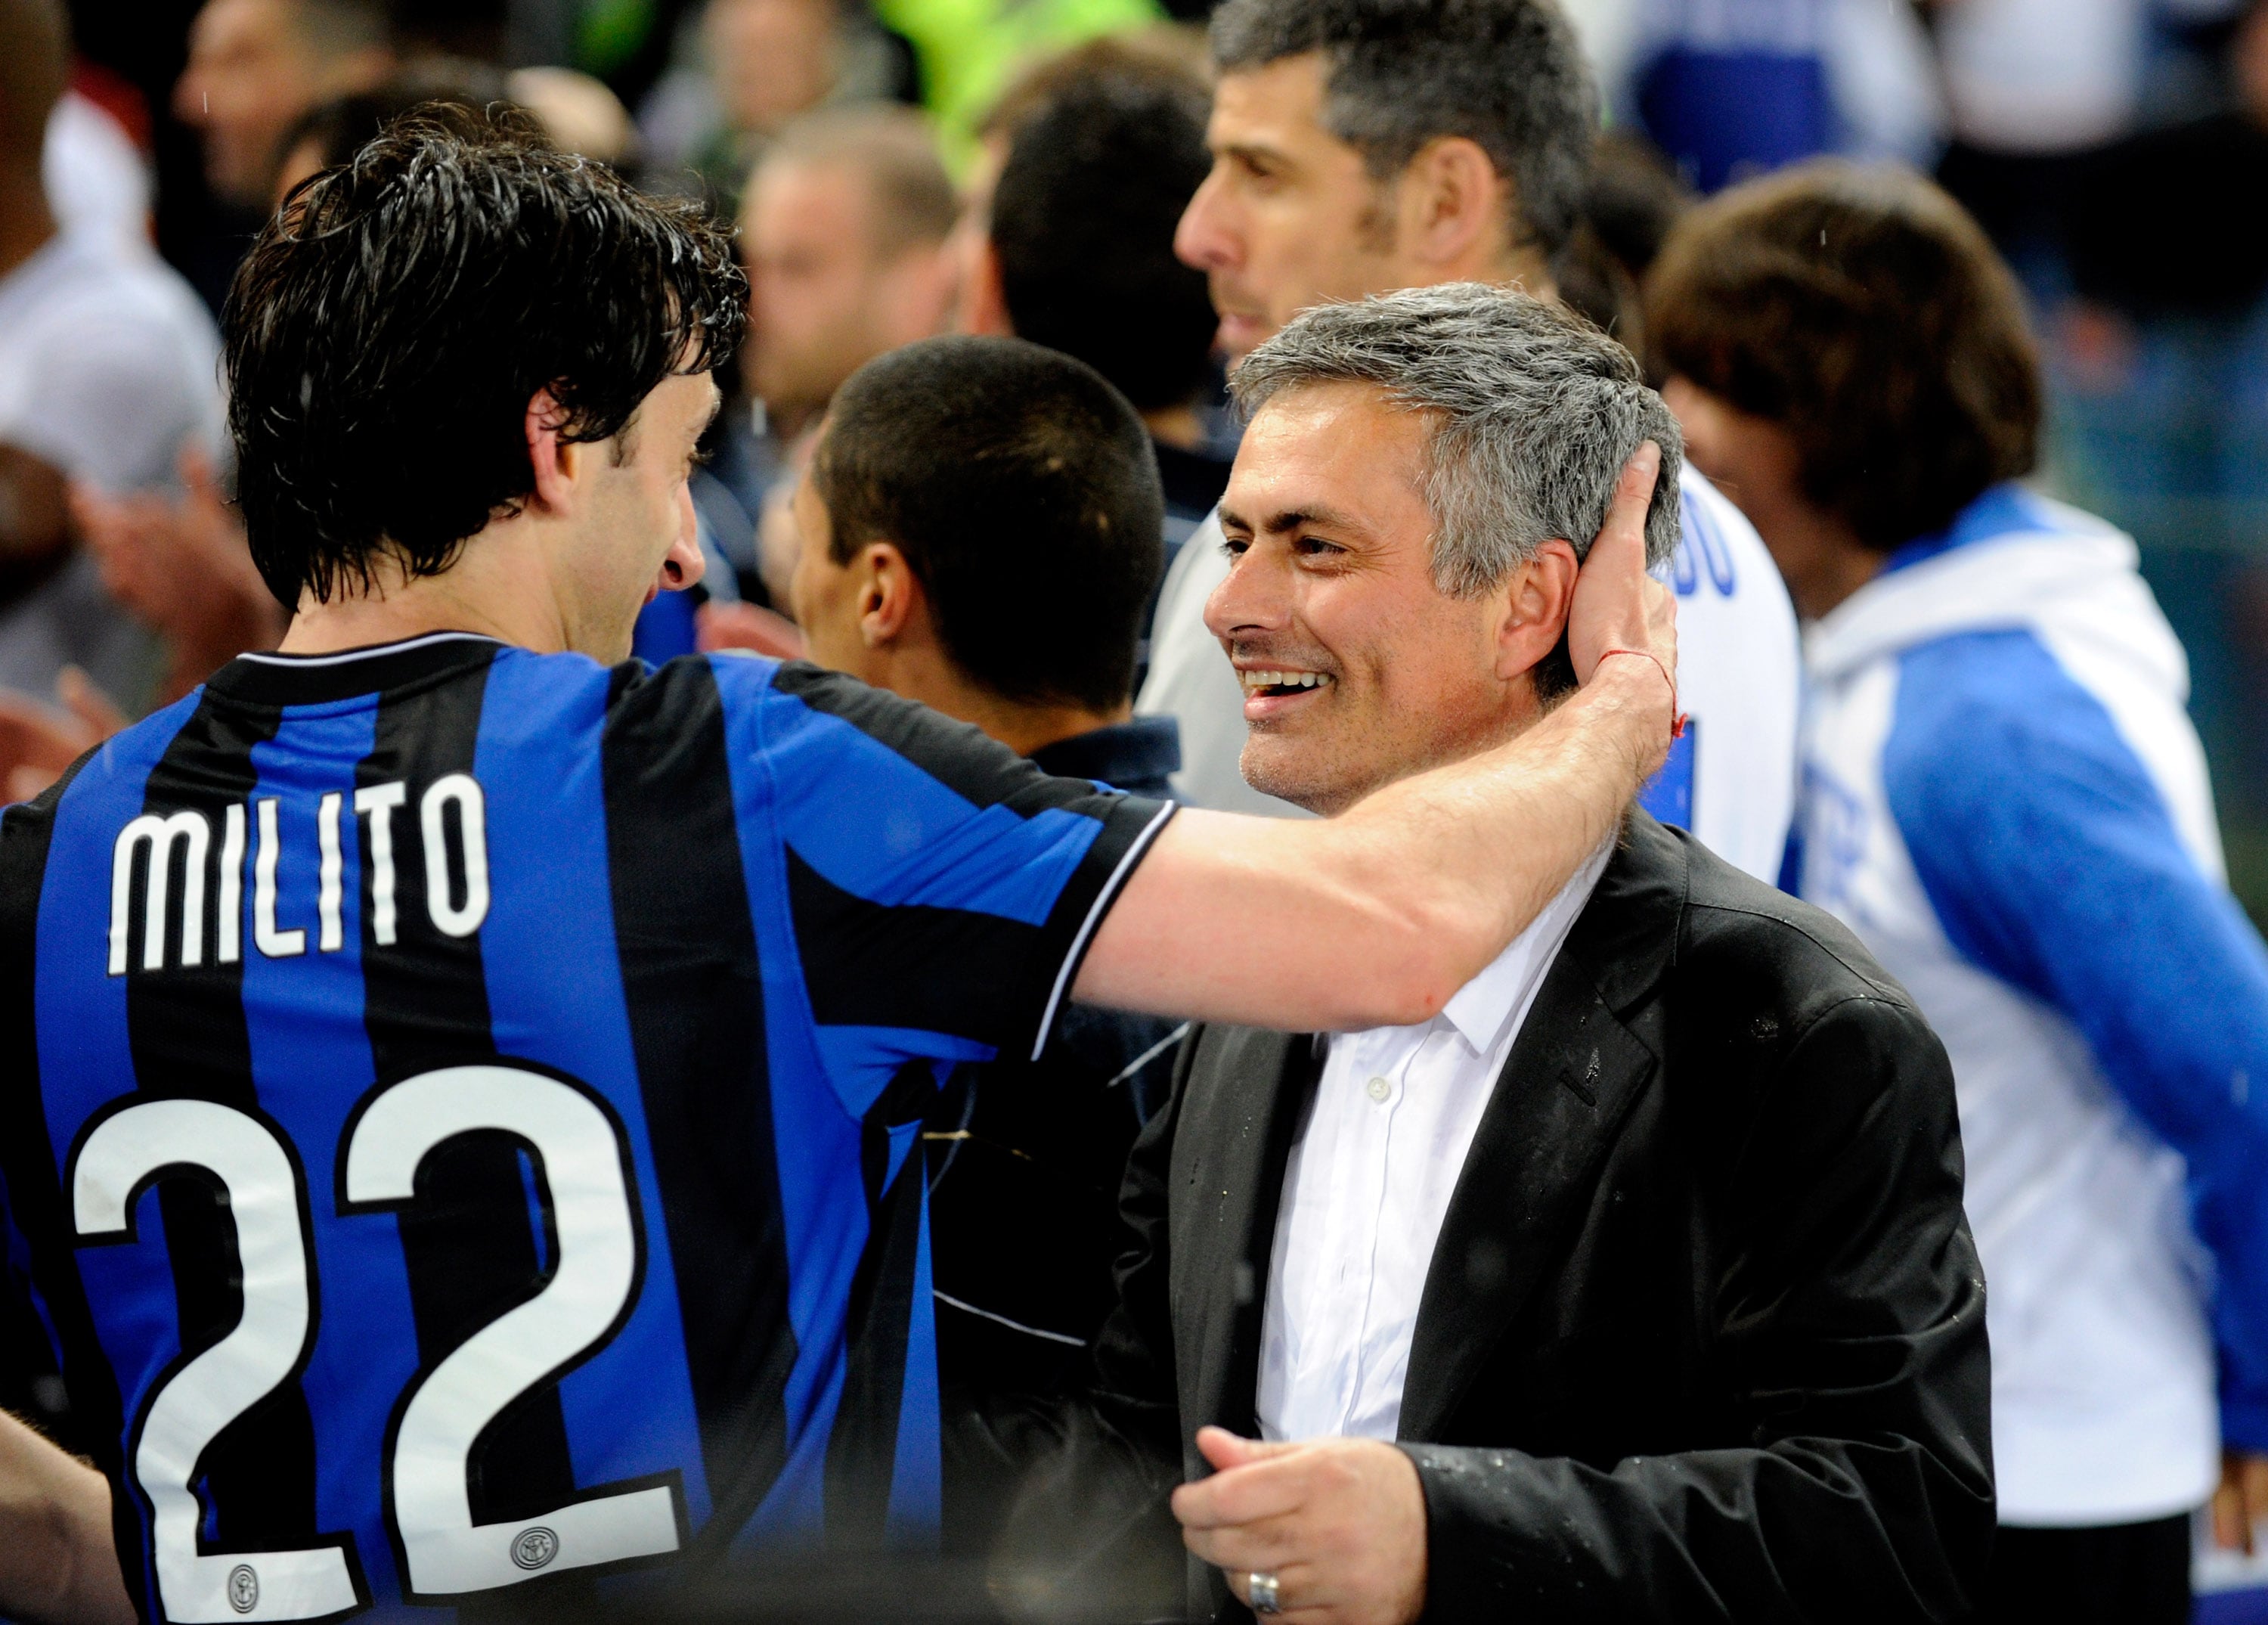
2004	797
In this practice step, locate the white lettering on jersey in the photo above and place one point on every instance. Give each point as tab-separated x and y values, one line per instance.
326	897
273	943
456	883
231	883
462	792
379	800
156	835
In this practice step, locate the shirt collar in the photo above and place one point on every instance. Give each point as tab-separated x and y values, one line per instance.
1481	1009
1136	755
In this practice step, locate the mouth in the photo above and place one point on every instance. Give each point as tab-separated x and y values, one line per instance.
1271	692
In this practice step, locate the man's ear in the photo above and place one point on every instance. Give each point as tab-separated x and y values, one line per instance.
554	461
893	608
1537	598
1453	202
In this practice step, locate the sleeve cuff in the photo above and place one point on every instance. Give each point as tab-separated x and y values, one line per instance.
1128	830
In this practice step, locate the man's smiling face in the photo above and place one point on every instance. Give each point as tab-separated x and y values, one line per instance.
1358	670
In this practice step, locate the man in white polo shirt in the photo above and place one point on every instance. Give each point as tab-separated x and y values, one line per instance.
1359	150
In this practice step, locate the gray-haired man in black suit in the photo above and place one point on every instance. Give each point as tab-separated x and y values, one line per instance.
1636	1284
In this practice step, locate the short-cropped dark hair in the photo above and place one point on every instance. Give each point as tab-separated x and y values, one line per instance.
1508	74
1083	221
1863	311
392	322
1024	492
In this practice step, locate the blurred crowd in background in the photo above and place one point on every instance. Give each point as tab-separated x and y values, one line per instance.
2107	146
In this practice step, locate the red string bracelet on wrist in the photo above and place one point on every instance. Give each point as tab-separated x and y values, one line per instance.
1676	716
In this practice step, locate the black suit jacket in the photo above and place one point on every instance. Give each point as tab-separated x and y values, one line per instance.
1704	1333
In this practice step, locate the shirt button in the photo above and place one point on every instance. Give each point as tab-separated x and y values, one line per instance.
1379	1089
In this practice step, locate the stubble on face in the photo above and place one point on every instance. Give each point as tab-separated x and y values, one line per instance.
1358	669
1291	216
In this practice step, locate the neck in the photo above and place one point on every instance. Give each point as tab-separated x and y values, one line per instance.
1824	562
923	673
26	223
1521	268
483	592
1513	713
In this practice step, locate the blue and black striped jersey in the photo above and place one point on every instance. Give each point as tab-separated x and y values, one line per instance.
458	1106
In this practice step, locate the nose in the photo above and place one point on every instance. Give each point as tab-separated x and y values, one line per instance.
684	565
1254	596
1202	240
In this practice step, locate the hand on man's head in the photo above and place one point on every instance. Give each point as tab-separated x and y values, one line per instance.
1340	1524
1617	606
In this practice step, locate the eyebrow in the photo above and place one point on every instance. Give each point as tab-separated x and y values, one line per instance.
1251	150
1286	519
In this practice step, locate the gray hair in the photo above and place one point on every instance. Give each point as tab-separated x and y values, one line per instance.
1534	413
1508	74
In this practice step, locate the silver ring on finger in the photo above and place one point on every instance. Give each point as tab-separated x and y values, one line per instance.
1266	1591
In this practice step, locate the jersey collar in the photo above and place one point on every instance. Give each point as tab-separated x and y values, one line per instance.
314	679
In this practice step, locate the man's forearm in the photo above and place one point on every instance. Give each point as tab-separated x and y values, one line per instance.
1375	918
1496	835
56	1560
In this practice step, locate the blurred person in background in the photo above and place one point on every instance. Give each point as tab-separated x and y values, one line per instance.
964	492
970	51
755	67
1364	145
107	374
2033	89
254	68
1632	198
2159	386
96	173
2004	797
843	229
1080	256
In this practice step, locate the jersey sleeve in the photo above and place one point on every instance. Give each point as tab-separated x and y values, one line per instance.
942	889
2052	861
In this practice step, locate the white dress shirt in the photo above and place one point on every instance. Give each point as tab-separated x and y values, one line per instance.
1369	1183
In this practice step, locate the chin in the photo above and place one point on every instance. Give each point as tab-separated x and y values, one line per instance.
1274	770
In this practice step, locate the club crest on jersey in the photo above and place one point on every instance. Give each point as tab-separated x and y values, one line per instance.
171	862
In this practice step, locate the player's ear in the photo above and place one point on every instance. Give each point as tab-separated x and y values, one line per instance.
890	596
554	462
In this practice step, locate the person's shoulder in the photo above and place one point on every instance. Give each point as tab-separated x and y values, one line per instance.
1749	947
138	296
1989	720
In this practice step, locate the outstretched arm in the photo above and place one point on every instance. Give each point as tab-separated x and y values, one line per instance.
56	1560
1376	917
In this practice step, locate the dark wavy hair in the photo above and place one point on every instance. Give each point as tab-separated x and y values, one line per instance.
394	319
1863	311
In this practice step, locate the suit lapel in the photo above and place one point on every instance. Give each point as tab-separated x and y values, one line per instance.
1574	1071
1248	1090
